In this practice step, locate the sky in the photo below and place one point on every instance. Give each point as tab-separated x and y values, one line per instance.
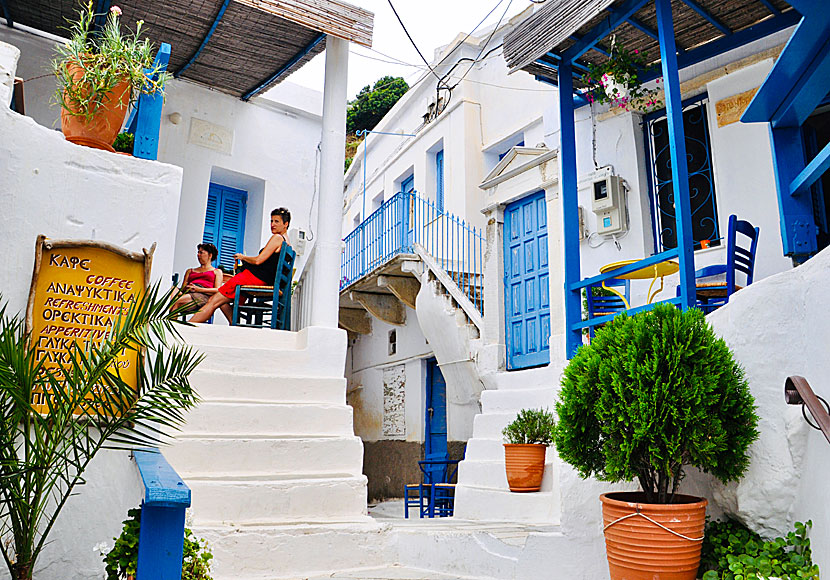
431	23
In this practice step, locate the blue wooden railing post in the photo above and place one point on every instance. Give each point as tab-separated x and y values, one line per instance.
677	141
145	121
161	539
570	209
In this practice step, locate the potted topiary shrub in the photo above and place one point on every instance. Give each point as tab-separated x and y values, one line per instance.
651	394
99	73
527	438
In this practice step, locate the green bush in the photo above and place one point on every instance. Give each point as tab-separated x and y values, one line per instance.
122	559
124	142
730	551
651	394
531	426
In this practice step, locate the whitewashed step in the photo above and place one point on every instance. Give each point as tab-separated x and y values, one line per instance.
325	499
223	386
491	474
202	457
268	419
487	504
490	425
311	352
513	400
294	551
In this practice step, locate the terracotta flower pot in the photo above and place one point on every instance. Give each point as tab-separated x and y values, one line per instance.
525	465
100	131
639	549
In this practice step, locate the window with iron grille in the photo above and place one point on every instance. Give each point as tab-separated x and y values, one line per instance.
702	196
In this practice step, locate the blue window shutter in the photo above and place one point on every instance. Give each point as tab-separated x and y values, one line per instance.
408	184
225	222
439	180
212	216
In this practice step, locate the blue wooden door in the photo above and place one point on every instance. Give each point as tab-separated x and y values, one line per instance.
225	222
526	295
435	438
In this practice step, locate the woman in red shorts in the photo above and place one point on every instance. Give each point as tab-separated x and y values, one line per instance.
259	270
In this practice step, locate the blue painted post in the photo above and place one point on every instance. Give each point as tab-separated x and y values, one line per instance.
798	229
161	539
148	114
677	145
570	208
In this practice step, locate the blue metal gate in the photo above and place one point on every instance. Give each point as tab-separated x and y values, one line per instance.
526	295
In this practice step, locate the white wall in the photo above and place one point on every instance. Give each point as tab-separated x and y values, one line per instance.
273	156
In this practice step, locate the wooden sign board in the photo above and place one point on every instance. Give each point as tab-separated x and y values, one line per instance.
78	289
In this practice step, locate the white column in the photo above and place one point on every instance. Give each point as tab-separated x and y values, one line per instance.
326	266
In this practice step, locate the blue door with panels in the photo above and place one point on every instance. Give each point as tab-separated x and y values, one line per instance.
225	222
435	437
526	289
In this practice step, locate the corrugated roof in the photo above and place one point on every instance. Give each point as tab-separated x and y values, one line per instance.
253	40
559	24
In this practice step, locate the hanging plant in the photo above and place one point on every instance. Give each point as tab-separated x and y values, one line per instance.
618	81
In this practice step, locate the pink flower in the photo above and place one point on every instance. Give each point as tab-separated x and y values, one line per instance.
636	51
115	10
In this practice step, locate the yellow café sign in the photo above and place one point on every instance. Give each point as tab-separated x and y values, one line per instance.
78	288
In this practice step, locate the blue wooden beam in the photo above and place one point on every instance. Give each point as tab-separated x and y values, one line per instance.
570	209
631	312
798	228
639	264
601	30
557	59
727	43
769	6
145	121
799	80
7	14
205	40
815	169
294	60
161	537
641	26
708	16
677	147
102	8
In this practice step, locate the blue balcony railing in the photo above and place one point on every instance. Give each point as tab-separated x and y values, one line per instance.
405	220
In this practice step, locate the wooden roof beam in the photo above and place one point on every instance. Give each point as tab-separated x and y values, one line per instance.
205	40
601	30
285	68
708	16
769	6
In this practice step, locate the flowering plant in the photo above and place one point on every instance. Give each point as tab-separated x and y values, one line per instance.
106	58
617	81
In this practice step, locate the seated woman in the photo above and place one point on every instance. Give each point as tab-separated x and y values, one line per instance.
259	270
200	283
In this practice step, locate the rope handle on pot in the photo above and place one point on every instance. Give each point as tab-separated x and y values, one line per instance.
658	524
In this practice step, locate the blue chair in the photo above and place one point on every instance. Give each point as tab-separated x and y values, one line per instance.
267	306
435	495
740	258
602	304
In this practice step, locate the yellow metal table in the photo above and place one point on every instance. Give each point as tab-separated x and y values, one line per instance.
652	272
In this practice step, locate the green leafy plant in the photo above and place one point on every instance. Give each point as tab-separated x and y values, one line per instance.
107	57
122	560
652	393
90	407
731	551
124	142
530	426
373	102
622	70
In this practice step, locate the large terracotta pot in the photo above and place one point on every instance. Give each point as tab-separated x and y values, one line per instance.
639	549
105	124
525	465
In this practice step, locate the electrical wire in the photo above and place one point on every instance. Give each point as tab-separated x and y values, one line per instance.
492	34
409	36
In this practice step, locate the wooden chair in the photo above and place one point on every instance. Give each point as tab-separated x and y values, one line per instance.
740	257
267	306
435	494
604	304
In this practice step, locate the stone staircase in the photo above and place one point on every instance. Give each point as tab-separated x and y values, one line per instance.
482	492
271	457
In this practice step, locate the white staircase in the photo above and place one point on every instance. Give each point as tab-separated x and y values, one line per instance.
271	457
482	492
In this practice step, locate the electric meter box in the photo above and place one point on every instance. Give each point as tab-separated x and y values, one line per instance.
608	203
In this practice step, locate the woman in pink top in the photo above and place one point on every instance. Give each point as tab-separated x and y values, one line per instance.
200	283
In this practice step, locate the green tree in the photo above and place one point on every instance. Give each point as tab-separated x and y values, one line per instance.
372	103
90	407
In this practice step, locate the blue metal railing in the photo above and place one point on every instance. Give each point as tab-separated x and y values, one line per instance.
405	220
